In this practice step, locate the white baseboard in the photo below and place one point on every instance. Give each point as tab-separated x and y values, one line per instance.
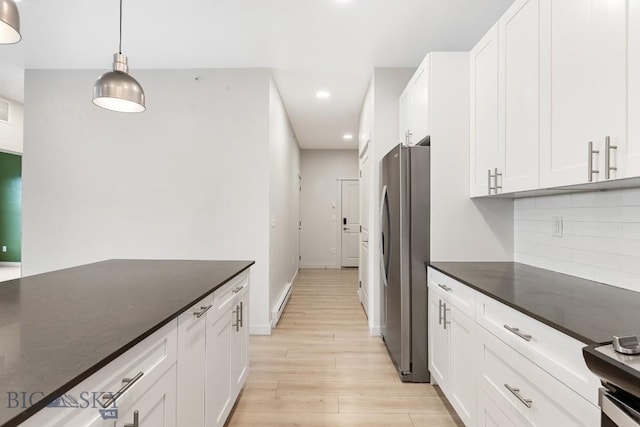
259	329
281	303
375	331
10	264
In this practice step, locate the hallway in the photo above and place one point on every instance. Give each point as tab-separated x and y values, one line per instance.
320	367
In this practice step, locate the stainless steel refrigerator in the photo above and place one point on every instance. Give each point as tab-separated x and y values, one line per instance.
404	245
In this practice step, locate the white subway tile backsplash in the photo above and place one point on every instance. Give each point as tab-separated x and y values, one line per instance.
553	202
601	235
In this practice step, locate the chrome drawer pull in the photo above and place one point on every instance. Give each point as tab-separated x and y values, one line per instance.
446	288
204	310
112	397
516	392
518	333
136	421
237	289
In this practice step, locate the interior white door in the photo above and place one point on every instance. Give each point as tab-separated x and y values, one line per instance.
350	223
364	235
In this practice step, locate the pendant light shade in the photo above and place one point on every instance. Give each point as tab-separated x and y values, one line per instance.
116	90
9	22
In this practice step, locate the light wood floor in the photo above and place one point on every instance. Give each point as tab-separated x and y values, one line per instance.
320	367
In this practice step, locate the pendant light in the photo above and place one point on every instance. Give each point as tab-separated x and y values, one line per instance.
9	22
116	90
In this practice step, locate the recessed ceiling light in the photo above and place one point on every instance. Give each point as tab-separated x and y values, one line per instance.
323	94
347	136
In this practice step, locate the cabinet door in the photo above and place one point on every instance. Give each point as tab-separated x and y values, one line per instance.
484	112
156	407
438	342
405	112
632	152
489	415
420	125
239	344
218	378
518	131
582	86
464	349
192	326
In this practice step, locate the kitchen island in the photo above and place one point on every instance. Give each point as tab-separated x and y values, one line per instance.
61	328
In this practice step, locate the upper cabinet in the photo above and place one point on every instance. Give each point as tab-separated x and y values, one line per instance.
630	154
414	106
484	114
582	89
518	89
559	107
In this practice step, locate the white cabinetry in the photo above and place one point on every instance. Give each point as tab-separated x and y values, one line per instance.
582	87
484	113
631	153
139	380
155	407
227	357
192	367
414	106
518	90
452	344
213	354
499	367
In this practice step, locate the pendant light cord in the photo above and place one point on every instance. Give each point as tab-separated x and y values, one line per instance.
120	45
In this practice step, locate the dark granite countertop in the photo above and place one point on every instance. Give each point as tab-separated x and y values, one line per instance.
589	311
58	328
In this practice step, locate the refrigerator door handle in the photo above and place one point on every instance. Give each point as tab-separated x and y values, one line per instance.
384	214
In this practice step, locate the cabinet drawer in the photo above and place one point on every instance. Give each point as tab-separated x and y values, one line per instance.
224	297
528	395
459	295
555	352
152	357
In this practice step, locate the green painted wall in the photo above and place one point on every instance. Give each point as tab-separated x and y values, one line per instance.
10	206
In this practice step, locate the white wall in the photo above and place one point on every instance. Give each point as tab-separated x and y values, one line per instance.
601	236
11	134
284	155
388	84
187	179
320	204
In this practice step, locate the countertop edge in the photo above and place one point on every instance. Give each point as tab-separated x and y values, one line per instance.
44	401
535	316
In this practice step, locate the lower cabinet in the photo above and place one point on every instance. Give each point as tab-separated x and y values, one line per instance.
188	373
155	407
489	415
453	349
508	375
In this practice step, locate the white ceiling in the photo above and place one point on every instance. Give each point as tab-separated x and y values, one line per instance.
310	44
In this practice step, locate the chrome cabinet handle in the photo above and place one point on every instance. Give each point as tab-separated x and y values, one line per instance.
110	398
489	177
516	331
446	288
497	187
237	324
516	392
136	422
607	157
444	312
440	312
201	313
241	315
591	171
